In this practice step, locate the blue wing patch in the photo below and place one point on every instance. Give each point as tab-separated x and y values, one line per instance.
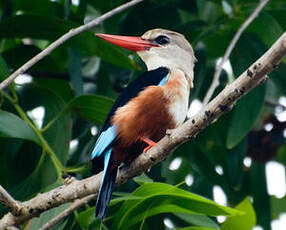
163	81
103	141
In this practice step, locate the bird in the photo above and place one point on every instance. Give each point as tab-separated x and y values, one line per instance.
150	105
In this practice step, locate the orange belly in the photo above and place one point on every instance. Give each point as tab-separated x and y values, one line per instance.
146	115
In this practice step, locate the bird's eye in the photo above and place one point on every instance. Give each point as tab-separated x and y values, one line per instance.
162	40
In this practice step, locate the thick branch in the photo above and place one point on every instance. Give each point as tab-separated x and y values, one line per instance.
221	104
63	39
8	201
218	69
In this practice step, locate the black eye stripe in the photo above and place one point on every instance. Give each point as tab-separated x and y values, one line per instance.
162	40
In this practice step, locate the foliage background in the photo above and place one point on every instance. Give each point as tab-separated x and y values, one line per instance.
75	86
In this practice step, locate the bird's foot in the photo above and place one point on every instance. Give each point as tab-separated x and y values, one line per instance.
68	179
149	142
169	132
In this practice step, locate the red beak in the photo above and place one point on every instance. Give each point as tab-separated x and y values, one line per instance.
130	43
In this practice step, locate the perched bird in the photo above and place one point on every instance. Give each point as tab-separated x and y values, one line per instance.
153	103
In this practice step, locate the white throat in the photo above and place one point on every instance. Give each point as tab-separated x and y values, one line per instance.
154	60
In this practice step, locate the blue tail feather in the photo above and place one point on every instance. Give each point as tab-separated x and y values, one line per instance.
108	181
102	155
105	139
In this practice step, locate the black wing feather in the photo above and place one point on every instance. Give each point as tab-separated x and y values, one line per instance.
148	78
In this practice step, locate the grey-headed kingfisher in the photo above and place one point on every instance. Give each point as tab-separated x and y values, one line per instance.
154	102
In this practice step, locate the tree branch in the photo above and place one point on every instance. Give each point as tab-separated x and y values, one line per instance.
218	69
63	39
76	204
9	202
221	104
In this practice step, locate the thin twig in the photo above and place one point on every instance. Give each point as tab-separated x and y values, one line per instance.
9	201
222	103
219	66
64	38
76	204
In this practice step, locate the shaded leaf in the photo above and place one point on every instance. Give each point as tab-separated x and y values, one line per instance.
75	71
40	7
278	77
142	179
163	198
244	116
59	87
198	220
266	27
37	181
278	206
12	126
59	133
261	199
92	107
195	228
37	223
235	170
85	218
4	70
247	110
51	28
14	60
246	221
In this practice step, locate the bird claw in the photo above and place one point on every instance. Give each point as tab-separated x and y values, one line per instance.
169	132
147	148
68	180
149	142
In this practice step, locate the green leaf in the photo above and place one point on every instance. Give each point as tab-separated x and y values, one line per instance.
215	48
59	133
75	68
235	167
278	206
37	223
163	198
247	110
142	179
246	221
7	9
244	116
279	15
278	77
169	18
4	70
198	220
8	159
14	60
126	197
195	228
59	87
266	27
199	161
85	218
92	107
23	26
258	190
13	126
37	181
40	7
